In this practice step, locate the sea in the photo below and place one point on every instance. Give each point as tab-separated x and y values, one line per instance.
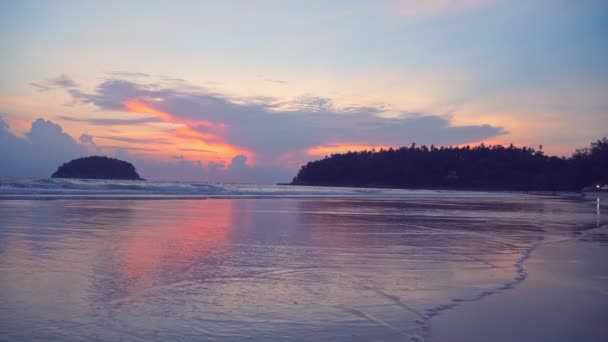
100	260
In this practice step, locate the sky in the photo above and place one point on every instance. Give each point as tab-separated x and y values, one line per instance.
248	91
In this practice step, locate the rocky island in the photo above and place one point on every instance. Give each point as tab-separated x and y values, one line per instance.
97	167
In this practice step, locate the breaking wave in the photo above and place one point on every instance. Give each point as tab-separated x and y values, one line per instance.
31	188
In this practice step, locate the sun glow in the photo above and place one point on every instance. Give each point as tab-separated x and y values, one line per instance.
325	150
135	106
187	138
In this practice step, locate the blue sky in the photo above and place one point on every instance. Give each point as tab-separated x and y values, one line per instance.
262	74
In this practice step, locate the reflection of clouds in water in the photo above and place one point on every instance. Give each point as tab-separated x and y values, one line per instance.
180	238
462	243
52	252
597	213
262	268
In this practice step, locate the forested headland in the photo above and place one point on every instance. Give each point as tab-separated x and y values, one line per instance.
480	167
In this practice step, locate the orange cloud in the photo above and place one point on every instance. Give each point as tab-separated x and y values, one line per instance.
135	106
325	150
187	132
190	139
138	107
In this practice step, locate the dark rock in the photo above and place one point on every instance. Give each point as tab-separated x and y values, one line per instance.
97	167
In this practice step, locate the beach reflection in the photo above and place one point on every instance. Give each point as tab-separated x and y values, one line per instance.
258	269
597	213
176	234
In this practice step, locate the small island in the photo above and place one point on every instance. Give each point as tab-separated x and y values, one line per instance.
97	167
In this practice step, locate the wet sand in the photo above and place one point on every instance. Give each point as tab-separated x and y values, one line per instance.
298	269
564	298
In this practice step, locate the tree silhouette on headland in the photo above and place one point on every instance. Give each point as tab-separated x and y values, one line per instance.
480	167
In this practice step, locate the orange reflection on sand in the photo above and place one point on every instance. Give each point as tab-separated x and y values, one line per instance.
342	148
195	232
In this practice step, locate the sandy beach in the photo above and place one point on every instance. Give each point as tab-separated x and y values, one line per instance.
564	298
332	266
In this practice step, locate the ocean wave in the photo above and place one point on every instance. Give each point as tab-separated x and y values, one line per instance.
51	186
32	188
11	187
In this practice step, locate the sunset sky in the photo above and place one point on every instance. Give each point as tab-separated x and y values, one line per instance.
247	91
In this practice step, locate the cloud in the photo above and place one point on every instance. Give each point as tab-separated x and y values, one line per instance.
135	140
129	74
39	153
427	8
110	122
196	171
3	125
272	80
40	87
46	146
86	139
257	136
183	170
63	81
239	171
270	128
130	148
195	150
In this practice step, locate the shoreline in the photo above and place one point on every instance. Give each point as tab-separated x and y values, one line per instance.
356	193
441	188
521	273
556	288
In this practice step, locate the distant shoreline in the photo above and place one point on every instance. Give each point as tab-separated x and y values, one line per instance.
53	188
493	189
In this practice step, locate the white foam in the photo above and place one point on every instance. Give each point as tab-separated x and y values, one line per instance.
520	275
47	188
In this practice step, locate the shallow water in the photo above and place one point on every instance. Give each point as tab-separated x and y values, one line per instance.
362	267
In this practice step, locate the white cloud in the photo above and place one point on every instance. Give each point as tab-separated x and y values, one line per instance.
39	153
